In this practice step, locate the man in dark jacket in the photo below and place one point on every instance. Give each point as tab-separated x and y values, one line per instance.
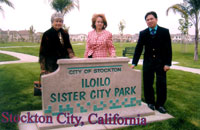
157	60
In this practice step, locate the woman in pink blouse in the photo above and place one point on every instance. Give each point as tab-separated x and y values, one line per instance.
99	41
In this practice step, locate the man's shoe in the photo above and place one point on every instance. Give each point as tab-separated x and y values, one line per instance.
161	109
151	106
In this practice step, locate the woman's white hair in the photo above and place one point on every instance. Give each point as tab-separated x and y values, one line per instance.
57	15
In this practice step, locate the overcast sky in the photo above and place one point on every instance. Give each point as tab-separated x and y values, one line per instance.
38	14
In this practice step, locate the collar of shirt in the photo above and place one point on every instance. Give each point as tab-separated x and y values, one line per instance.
156	27
98	33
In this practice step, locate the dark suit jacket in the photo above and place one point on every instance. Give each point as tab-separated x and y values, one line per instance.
158	50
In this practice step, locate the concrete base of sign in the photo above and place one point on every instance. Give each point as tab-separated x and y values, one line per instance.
143	111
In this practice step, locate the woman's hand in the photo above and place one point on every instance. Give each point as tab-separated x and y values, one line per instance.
74	57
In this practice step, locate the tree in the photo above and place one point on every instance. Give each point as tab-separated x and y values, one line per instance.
64	6
6	2
190	9
31	33
122	25
184	27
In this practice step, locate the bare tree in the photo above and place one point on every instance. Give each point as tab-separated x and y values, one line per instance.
31	33
184	28
122	25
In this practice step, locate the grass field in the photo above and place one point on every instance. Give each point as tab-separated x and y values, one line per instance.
16	90
4	57
19	44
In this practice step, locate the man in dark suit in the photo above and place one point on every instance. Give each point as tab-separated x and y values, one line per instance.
157	60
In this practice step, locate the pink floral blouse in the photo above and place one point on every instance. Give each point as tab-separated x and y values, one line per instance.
99	45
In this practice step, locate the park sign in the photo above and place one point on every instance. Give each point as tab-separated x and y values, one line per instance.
91	85
90	93
86	87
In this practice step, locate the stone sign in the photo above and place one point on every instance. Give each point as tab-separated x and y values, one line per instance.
94	93
98	86
91	85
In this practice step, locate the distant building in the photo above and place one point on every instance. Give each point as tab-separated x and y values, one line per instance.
4	36
25	36
180	38
78	37
38	37
135	38
125	38
116	38
19	36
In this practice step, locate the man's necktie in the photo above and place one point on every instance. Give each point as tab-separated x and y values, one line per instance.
153	32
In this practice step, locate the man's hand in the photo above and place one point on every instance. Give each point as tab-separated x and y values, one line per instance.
43	72
132	66
166	68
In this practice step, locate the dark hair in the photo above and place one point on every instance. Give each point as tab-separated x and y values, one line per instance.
94	18
151	13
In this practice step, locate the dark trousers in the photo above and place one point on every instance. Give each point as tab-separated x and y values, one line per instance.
161	89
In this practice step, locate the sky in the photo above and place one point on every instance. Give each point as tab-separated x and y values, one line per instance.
38	13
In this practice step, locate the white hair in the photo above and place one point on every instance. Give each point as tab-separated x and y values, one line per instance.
56	15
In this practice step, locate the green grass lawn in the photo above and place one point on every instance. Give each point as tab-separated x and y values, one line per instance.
16	87
4	57
184	58
19	44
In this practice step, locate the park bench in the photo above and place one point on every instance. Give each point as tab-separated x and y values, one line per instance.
128	50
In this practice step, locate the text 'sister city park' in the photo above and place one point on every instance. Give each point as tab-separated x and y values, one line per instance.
99	65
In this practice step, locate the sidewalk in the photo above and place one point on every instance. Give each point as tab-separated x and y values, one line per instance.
187	69
176	67
25	58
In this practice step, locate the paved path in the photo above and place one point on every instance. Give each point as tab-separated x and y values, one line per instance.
25	58
176	67
187	69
